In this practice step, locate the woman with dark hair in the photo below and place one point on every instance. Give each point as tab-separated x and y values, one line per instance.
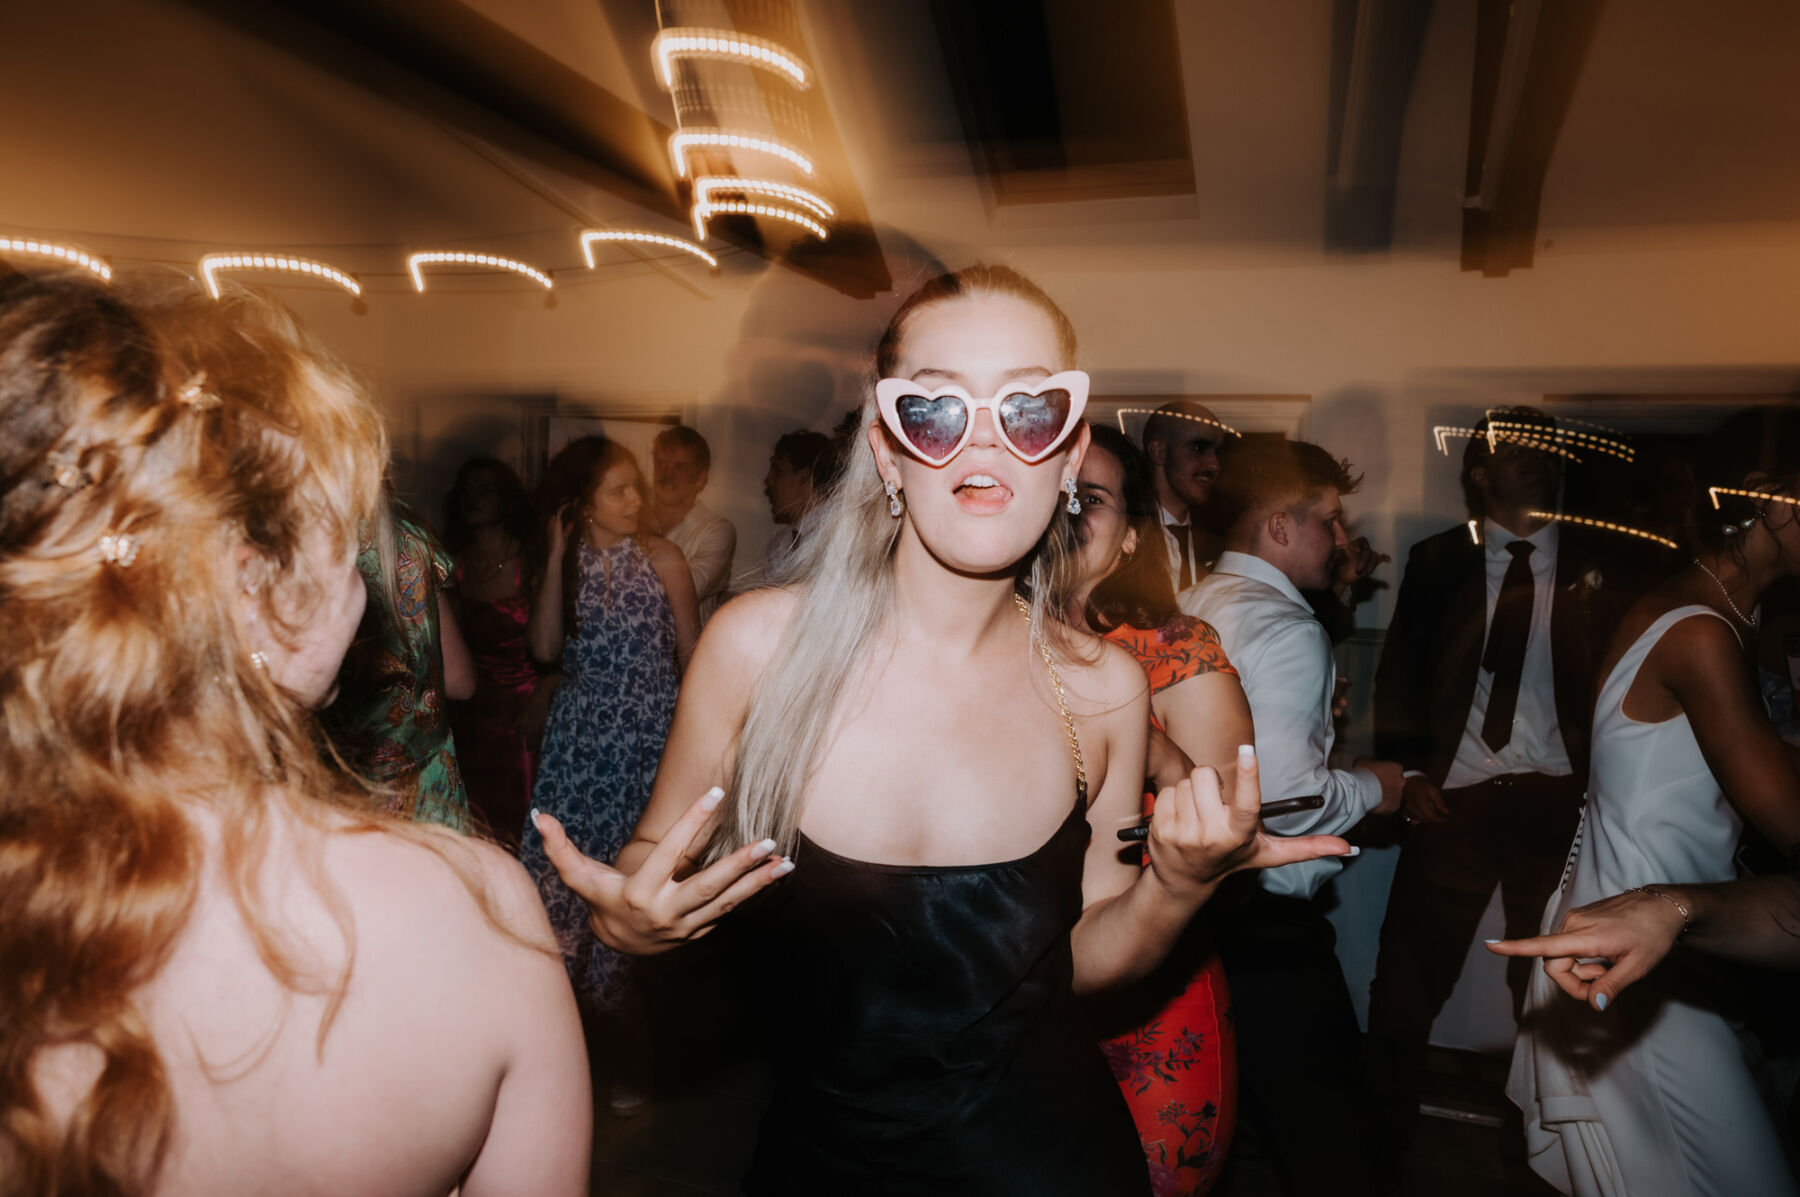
488	529
1653	1095
1177	1062
616	606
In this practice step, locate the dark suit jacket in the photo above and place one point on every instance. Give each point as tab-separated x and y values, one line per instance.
1426	679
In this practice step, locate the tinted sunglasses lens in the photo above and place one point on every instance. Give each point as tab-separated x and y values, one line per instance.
932	426
1033	422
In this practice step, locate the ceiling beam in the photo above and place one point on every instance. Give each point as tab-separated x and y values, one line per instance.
1376	46
1528	59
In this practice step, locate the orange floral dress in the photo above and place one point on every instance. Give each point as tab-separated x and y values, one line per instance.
1177	1062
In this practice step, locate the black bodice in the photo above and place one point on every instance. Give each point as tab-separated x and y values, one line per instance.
927	1036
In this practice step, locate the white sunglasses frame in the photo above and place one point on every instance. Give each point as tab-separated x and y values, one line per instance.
889	392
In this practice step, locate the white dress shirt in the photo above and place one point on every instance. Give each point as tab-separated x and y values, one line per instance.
1283	657
708	540
1536	745
1173	530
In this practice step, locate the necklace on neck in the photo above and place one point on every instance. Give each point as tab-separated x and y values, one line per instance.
1750	621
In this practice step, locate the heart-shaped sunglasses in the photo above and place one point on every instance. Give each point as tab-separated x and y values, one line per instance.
1033	418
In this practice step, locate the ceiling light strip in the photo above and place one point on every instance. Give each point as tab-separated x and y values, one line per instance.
727	45
704	211
706	185
592	235
212	264
49	249
679	144
457	257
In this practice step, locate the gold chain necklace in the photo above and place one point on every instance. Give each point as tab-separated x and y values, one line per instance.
1062	699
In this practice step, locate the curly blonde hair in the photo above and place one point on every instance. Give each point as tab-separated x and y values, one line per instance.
204	439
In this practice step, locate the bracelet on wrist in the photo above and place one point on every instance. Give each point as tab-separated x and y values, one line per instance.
1687	917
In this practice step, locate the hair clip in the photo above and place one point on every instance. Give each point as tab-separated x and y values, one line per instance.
120	550
66	471
195	395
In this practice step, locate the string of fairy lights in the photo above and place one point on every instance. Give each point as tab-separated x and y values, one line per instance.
713	194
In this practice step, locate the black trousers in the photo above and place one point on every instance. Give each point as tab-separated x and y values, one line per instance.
1513	831
1300	1078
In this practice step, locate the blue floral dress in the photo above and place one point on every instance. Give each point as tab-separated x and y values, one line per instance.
605	736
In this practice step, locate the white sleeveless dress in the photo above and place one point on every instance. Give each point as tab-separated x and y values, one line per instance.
1652	1097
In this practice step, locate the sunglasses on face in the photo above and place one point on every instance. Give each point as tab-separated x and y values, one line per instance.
1032	418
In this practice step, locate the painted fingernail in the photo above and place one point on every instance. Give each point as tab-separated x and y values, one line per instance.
1352	852
713	797
1490	941
1246	755
784	868
1599	1001
762	849
536	814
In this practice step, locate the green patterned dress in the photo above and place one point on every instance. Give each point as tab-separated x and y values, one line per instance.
389	720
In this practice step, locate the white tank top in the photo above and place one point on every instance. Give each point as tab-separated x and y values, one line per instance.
1654	811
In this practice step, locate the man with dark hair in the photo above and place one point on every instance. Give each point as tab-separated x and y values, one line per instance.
1182	440
1484	693
1299	1045
681	465
792	486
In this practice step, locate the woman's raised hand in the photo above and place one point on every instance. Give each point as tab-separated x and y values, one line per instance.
556	537
650	911
1197	838
1603	947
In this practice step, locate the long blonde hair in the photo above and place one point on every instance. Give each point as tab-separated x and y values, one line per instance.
840	571
157	461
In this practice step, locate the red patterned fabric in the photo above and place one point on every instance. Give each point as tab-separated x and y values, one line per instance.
1178	1067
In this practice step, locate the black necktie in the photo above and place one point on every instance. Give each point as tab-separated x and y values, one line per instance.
1505	654
1187	558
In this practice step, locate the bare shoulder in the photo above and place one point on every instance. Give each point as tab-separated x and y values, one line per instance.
743	635
430	875
1102	676
1700	648
663	551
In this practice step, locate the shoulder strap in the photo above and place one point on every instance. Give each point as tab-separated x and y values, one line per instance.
1062	703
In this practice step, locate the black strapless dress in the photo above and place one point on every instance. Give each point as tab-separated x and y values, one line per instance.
927	1037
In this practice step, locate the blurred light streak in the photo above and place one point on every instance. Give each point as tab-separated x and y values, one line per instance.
725	139
1582	440
706	185
702	211
1442	431
1603	525
466	259
1227	429
592	235
49	249
688	42
1713	493
211	264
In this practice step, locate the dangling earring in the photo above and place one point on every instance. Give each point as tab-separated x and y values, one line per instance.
893	494
1074	503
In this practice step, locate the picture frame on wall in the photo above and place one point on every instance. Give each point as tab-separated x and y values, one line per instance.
549	426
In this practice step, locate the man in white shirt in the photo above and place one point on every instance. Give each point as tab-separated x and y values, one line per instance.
681	464
1182	440
1485	694
1299	1045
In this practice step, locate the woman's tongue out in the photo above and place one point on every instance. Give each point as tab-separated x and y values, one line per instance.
982	494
